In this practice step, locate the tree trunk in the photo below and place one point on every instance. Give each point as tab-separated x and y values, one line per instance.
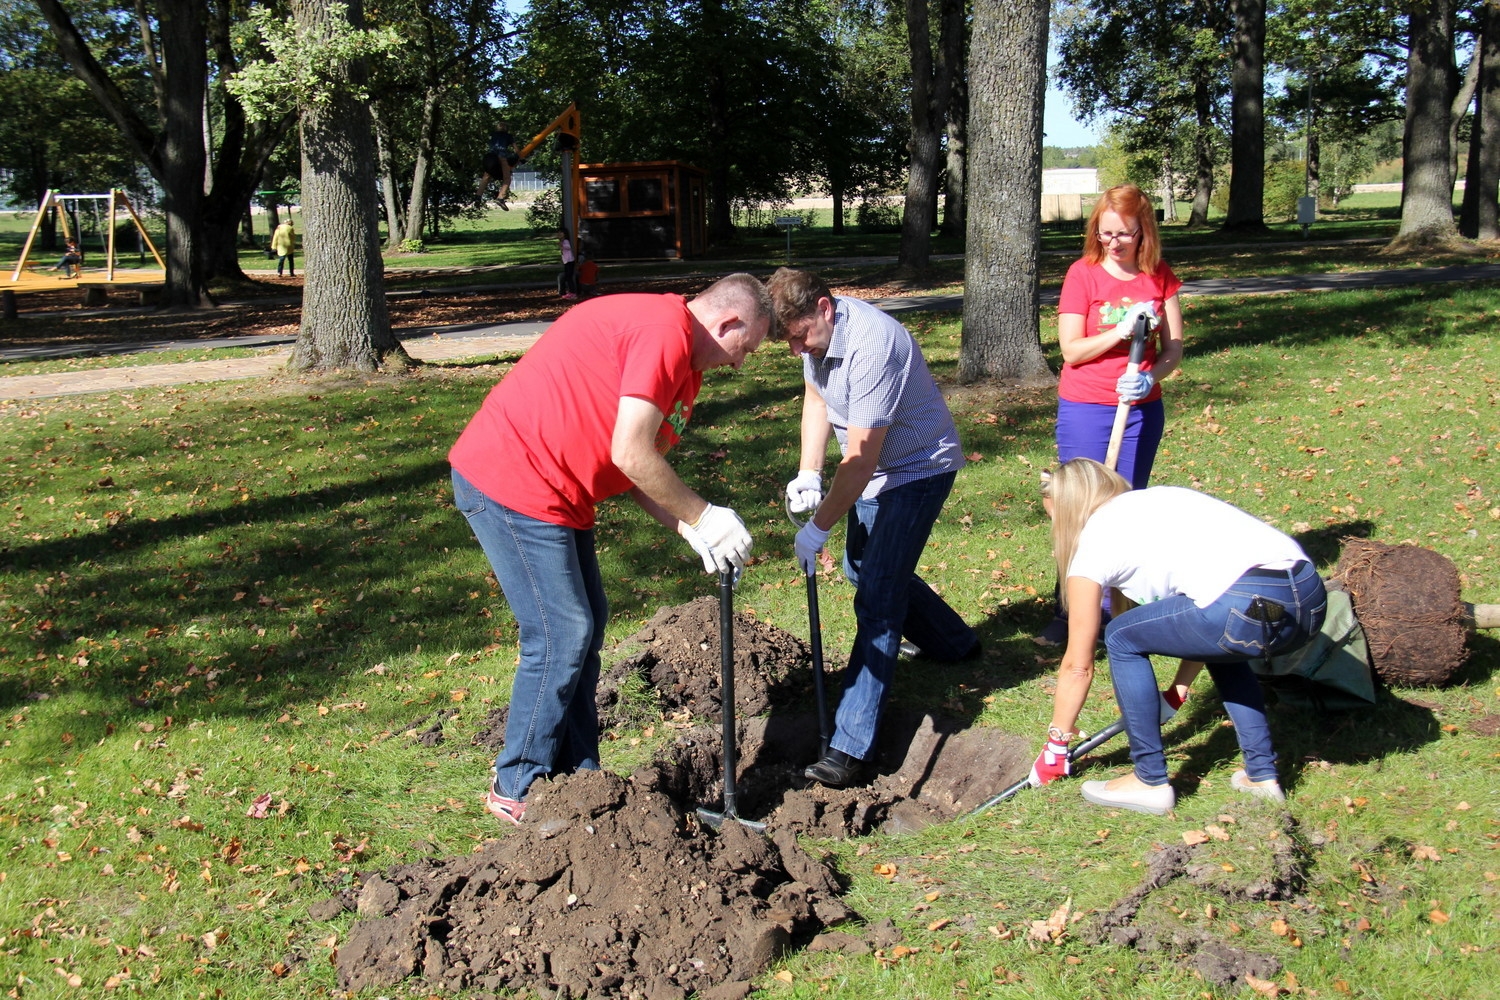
393	223
1431	79
1203	150
345	323
175	157
1168	188
956	205
1480	215
181	28
1468	82
1007	85
416	205
1247	178
931	91
838	209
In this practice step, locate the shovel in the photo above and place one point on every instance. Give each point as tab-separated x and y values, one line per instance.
726	709
1103	736
815	641
1122	410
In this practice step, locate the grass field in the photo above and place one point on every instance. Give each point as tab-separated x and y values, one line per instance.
211	594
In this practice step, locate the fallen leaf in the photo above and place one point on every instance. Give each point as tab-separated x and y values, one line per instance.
1438	916
1216	832
1280	927
885	870
1194	837
1264	987
1424	853
1054	928
259	807
784	976
939	924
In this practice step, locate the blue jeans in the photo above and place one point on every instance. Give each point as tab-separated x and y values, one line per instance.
1083	432
886	536
1226	635
551	580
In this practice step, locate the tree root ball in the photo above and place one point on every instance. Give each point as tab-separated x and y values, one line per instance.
1407	599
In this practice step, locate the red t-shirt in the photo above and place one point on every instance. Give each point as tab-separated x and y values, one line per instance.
540	443
1102	300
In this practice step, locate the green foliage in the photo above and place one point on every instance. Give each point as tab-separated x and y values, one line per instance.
412	246
544	214
305	65
1286	181
877	213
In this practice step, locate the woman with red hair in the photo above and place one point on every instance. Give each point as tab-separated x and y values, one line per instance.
1120	276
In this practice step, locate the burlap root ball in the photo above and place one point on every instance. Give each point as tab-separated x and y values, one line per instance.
1407	599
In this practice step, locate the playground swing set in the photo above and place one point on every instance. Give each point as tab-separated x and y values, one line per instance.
67	206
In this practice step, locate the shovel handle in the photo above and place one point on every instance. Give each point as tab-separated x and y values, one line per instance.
726	687
1122	410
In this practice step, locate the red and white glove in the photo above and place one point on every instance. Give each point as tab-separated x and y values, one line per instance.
1052	763
1171	701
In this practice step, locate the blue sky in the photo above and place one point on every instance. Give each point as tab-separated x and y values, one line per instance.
1060	126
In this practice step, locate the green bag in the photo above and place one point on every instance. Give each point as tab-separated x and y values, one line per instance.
1332	672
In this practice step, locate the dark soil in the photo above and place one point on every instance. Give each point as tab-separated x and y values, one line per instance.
609	888
926	769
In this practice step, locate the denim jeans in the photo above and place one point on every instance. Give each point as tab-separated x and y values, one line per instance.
886	536
1226	635
551	580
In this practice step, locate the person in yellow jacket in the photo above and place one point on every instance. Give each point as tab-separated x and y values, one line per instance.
283	242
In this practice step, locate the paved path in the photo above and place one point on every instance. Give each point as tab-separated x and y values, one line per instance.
474	340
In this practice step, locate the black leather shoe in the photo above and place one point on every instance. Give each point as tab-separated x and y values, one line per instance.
836	770
910	651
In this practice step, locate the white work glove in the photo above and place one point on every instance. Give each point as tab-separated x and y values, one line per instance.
810	539
804	493
1125	329
699	546
1134	387
725	536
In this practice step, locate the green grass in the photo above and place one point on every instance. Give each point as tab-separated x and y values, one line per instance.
210	594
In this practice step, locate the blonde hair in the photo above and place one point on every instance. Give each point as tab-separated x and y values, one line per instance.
1077	489
1128	202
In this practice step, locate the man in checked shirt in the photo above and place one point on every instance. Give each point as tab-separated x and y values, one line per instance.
866	381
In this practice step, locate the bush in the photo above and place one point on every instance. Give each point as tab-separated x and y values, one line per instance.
878	214
544	215
1286	181
412	246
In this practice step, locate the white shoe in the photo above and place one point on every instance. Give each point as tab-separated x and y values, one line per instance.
1268	789
1167	711
1157	800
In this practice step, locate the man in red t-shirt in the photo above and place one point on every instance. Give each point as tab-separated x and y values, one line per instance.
588	413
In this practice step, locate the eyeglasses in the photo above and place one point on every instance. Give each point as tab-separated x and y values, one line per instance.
1121	237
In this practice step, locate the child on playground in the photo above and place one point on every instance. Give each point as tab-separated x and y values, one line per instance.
499	161
72	258
569	263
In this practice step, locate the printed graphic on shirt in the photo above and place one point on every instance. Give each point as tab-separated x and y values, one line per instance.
672	427
1110	314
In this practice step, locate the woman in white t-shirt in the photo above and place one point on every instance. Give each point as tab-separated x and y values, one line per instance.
1210	583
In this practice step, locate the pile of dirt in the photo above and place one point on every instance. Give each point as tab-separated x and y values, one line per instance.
1408	602
609	887
926	769
615	886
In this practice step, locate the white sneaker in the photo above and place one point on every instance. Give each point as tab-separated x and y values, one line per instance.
1158	800
1268	789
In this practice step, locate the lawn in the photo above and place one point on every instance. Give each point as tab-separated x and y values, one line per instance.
214	594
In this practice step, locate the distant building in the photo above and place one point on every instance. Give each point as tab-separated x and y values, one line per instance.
1065	192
